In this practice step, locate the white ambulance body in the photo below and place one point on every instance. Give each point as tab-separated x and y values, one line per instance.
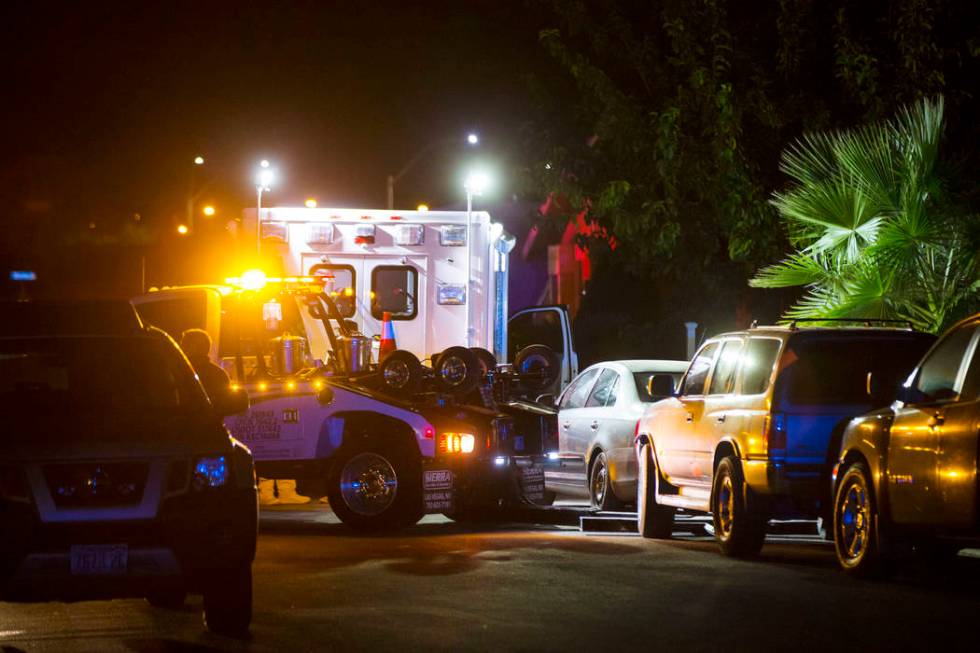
443	283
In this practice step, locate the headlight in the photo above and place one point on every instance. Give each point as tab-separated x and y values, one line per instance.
456	443
211	471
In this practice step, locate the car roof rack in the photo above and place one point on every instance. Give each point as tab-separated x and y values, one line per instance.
866	321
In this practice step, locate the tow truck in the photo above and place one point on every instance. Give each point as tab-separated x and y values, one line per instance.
443	424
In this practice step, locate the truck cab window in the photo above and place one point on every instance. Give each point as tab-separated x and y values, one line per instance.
394	289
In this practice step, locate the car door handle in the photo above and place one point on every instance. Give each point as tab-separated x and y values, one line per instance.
566	425
938	419
720	419
689	418
594	426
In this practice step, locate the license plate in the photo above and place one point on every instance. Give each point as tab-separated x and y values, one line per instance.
99	559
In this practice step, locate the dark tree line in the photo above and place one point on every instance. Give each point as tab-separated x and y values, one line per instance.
666	120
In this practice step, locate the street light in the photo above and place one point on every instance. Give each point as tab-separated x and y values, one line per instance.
199	160
208	210
471	139
182	229
310	203
263	182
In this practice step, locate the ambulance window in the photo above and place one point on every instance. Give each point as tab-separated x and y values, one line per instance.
341	284
394	289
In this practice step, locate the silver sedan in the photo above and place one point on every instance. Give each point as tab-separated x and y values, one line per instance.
597	415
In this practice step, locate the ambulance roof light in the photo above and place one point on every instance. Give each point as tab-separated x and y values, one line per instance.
252	280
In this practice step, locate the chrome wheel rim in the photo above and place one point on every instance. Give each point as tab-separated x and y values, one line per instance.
453	370
397	374
854	522
725	507
600	478
368	484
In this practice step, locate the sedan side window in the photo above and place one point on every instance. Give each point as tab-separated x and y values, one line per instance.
938	375
698	372
604	392
578	391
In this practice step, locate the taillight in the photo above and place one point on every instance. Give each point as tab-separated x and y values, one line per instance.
456	443
776	433
636	431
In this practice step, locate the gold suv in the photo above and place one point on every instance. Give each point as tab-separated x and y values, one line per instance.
908	473
757	423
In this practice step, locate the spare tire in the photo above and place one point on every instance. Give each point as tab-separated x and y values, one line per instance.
487	361
401	373
540	364
457	371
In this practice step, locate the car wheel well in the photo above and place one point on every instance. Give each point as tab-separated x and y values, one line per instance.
850	458
723	450
592	456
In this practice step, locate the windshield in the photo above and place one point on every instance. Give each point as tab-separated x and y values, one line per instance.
836	370
76	375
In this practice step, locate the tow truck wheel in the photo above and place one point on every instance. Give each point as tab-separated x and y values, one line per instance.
540	366
376	485
228	601
401	373
487	361
457	371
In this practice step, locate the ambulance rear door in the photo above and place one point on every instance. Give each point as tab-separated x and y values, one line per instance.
365	287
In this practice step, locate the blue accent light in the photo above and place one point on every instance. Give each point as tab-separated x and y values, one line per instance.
210	472
23	275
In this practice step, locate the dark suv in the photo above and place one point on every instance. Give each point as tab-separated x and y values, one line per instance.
756	426
117	477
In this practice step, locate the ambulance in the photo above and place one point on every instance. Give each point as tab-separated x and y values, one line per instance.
452	421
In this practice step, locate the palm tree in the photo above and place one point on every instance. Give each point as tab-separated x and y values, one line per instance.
874	232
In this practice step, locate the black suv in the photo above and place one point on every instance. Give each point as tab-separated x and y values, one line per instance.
118	479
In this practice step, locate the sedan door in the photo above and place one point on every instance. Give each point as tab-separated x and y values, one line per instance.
573	430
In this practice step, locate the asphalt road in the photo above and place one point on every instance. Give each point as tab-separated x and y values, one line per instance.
445	586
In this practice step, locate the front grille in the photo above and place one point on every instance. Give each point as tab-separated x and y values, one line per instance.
94	484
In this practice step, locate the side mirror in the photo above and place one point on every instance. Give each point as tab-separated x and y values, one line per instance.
325	396
660	385
232	403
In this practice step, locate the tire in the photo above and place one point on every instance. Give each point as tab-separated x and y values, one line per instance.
169	599
457	371
737	515
600	488
855	523
228	601
653	520
540	361
376	485
401	373
486	360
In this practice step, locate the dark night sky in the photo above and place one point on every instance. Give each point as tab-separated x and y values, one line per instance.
106	104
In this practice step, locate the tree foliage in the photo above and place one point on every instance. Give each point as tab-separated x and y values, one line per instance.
876	232
665	122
